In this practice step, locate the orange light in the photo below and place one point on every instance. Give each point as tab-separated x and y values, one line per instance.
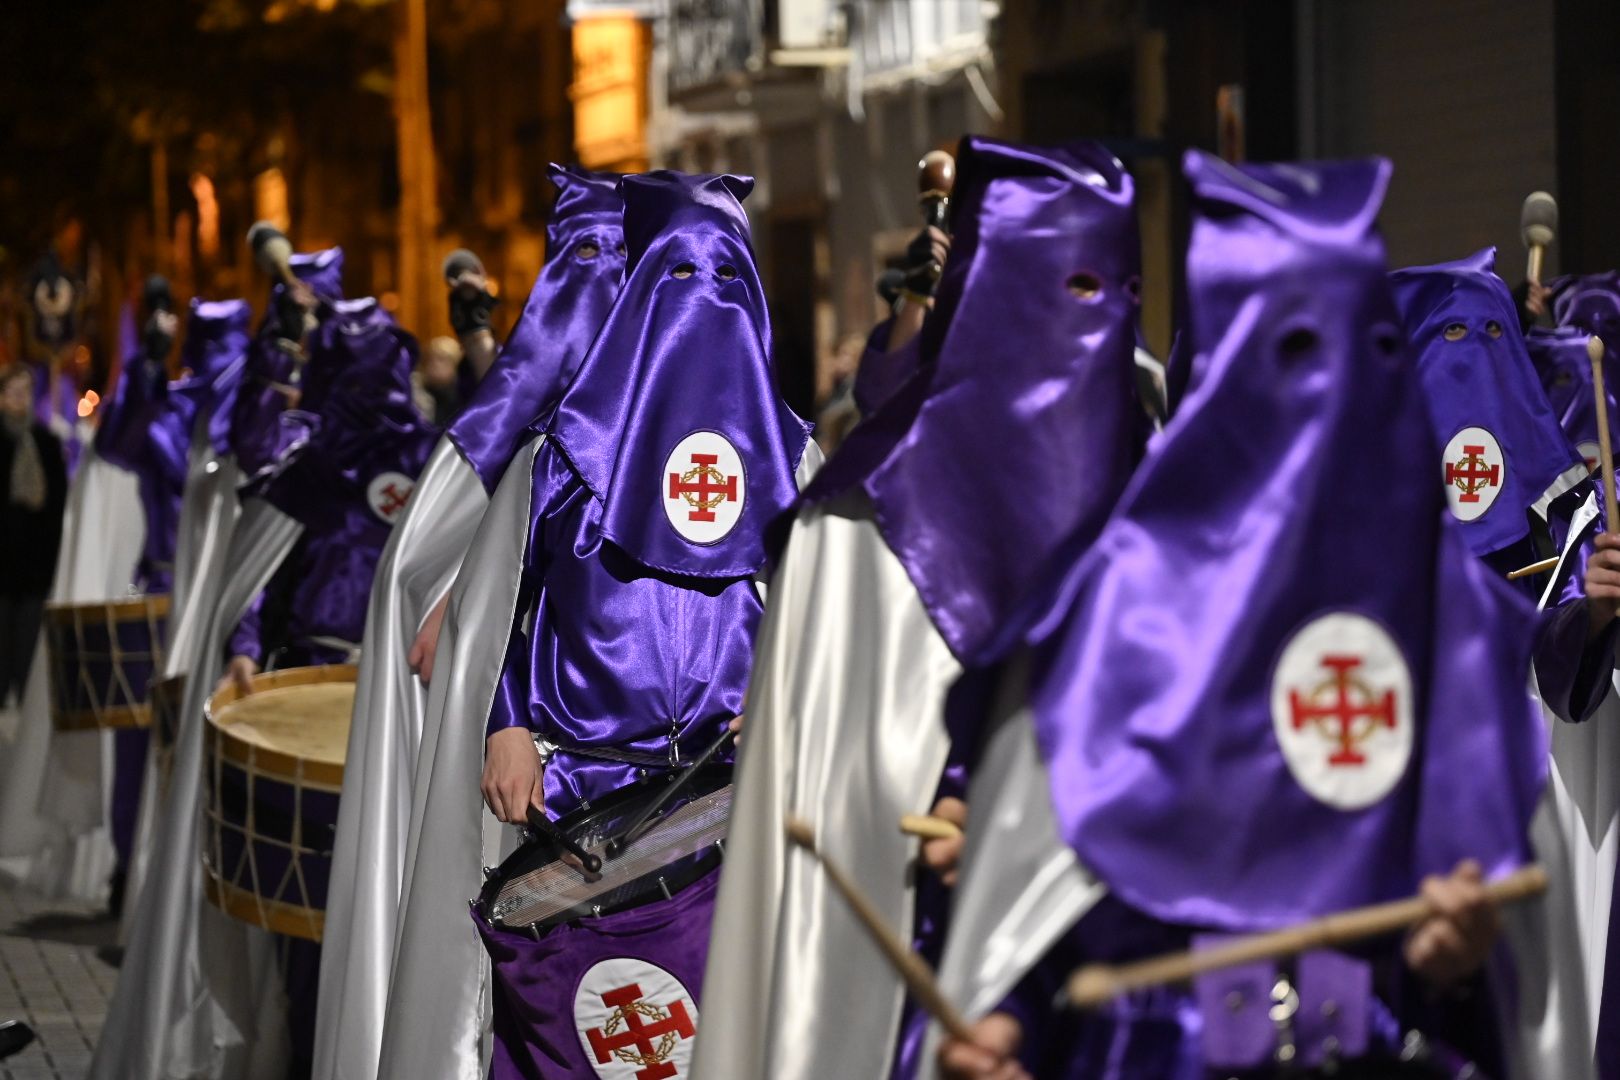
202	189
86	407
92	397
389	300
81	355
270	198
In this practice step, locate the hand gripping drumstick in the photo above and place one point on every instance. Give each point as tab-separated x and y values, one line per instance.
1097	984
911	968
1594	352
928	827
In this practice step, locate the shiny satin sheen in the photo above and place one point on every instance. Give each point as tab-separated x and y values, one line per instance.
845	729
1043	400
424	552
356	423
195	987
1566	376
1486	380
678	355
566	307
1250	519
1589	302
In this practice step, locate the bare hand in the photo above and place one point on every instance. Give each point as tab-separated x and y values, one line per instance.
1535	299
512	775
990	1056
426	645
1453	943
941	856
239	674
1603	583
939	245
736	725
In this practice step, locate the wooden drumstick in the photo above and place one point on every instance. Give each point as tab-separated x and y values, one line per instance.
936	179
1097	984
1594	352
911	968
928	827
1533	568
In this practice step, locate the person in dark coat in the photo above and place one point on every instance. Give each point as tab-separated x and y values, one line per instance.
33	496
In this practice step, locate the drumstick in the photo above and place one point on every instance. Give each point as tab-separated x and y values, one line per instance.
1533	568
1097	984
1594	352
928	827
911	968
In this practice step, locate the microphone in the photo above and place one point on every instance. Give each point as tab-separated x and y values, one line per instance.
1538	227
272	251
464	270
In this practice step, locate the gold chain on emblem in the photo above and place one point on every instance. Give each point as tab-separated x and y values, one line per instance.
692	496
666	1045
1470	482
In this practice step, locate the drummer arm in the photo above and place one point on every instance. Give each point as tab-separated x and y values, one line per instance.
247	639
1574	664
510	707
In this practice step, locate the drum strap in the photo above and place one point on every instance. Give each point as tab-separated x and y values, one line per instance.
608	753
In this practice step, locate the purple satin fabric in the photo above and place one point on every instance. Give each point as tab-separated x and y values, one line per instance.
216	344
1283	491
619	658
678	356
147	425
537	1036
1486	382
566	307
994	467
882	372
1566	376
1589	302
356	422
256	433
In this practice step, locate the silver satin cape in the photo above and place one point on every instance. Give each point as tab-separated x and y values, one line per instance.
1021	888
437	1021
209	508
198	994
53	797
368	857
845	729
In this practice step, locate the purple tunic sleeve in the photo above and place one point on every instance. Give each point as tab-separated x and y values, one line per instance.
121	437
1572	671
511	705
245	640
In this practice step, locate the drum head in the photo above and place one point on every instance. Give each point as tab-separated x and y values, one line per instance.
295	723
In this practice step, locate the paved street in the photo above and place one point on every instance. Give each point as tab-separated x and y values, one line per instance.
52	977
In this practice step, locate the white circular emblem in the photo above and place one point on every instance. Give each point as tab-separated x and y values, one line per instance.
634	1020
1475	472
703	488
1341	704
388	493
1590	452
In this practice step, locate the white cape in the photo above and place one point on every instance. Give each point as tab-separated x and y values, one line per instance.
53	802
368	858
208	513
190	994
437	1021
845	728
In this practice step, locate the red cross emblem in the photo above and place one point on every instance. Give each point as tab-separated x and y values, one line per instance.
703	486
393	500
1472	475
628	1037
1352	715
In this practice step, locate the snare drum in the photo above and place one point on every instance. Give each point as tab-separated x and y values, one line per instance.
274	762
166	698
102	658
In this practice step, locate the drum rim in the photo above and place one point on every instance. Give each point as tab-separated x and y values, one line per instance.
293	920
278	764
155	605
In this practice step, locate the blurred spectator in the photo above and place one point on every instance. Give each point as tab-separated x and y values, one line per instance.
440	387
33	495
